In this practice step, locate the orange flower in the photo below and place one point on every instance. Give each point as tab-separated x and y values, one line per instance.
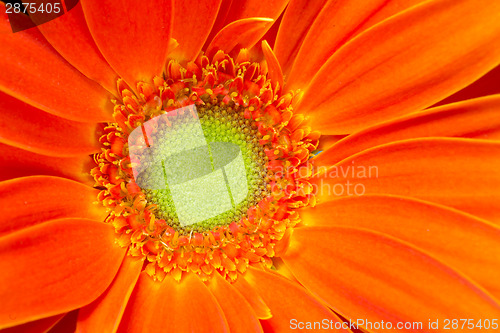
392	225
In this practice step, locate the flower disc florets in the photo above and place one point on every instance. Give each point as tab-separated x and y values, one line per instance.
237	107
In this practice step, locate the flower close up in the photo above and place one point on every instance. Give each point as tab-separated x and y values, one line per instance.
225	166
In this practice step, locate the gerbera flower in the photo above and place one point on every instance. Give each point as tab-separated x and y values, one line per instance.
371	178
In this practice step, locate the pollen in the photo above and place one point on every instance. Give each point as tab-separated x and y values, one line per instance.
204	168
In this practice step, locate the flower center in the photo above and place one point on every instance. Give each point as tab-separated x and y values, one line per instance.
204	168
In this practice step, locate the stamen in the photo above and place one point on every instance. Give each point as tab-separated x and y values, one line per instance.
238	110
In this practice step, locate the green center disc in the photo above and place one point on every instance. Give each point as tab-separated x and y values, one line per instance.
203	167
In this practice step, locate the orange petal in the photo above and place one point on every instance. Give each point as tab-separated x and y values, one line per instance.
273	65
396	67
26	127
231	11
460	173
297	20
466	243
35	73
169	306
66	324
71	29
254	8
32	200
15	162
337	23
191	29
290	303
269	37
253	298
238	312
132	36
219	21
239	34
37	326
327	141
478	118
486	85
105	313
55	267
365	275
282	269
